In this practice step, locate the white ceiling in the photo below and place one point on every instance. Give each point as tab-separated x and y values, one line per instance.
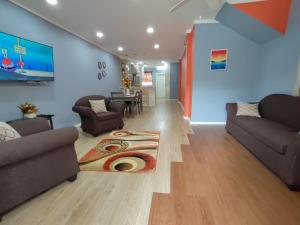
124	23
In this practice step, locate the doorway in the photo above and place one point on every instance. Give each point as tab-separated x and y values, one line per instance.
160	86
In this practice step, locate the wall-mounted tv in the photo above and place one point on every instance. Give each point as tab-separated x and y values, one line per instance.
24	60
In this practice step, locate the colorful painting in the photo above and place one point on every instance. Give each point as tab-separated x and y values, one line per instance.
147	80
218	59
24	60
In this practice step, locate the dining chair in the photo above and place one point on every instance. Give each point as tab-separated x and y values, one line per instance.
115	97
139	101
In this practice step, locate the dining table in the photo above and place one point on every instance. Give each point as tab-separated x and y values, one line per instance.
127	98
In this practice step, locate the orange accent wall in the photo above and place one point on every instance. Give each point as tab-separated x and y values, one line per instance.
189	75
179	80
183	78
273	13
186	65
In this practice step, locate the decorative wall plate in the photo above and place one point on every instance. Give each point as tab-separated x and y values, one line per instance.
99	76
99	65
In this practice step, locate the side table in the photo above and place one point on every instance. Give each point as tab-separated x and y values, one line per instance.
46	116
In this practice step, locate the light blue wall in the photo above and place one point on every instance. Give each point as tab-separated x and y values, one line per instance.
213	89
174	73
254	70
75	64
278	69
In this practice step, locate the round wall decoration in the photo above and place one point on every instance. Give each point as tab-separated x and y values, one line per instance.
102	70
99	76
99	65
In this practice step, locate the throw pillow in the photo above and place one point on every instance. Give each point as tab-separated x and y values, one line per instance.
7	133
245	109
98	106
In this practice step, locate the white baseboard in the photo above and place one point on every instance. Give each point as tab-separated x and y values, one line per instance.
181	106
207	123
78	125
199	123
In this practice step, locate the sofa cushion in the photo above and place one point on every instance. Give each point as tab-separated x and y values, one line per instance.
272	134
107	115
284	109
246	109
98	105
8	133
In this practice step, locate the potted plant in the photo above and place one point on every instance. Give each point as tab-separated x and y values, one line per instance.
127	84
29	110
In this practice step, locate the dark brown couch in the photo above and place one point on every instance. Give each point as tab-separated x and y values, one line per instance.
274	138
40	159
96	124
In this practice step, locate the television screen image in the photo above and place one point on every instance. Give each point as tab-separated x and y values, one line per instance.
24	60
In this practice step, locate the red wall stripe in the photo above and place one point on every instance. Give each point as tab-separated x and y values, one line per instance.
273	13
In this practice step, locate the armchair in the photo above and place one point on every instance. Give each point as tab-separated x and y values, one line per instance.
42	158
97	123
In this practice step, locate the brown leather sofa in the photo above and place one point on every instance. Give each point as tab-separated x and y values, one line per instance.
96	124
274	139
42	158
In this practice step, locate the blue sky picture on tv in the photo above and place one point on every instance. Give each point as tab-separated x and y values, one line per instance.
24	60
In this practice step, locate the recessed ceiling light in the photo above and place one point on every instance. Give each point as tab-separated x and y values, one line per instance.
150	30
120	49
52	2
100	34
141	62
156	46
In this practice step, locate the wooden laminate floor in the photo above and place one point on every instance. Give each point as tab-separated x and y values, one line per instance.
97	198
220	183
205	177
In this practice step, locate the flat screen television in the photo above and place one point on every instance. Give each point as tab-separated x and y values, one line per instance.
25	60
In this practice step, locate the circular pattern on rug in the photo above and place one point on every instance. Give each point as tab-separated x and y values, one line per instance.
121	133
108	146
130	162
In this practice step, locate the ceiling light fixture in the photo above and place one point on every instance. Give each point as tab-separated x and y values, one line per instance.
100	34
156	46
120	49
150	30
52	2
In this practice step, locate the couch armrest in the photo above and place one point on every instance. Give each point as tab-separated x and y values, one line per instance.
231	109
117	106
293	161
33	145
30	126
84	111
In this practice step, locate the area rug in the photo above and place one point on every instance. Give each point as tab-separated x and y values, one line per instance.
123	151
